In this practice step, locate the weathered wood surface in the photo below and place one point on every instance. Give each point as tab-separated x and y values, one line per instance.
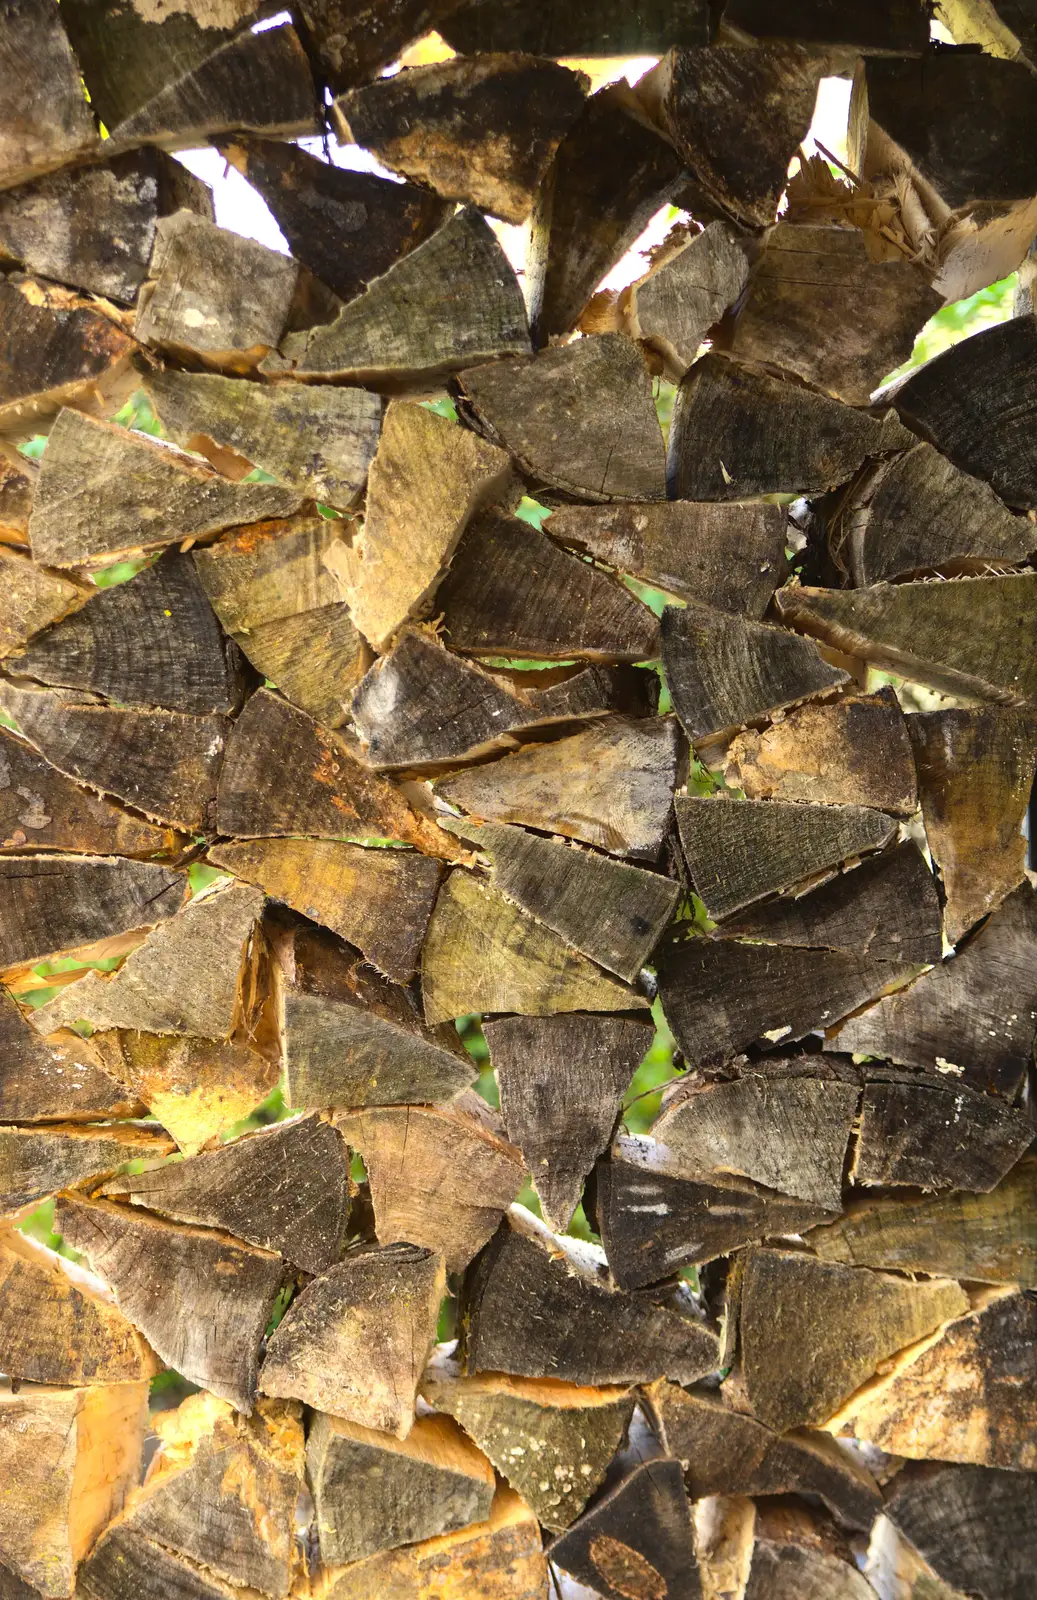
812	1332
163	763
71	1457
452	301
354	42
609	177
787	1133
61	1078
692	282
33	598
484	953
378	899
724	670
600	27
972	1017
638	1538
57	1324
740	851
799	1556
729	556
611	911
512	592
974	1527
739	432
851	751
971	637
355	1341
991	1238
936	1135
46	120
438	1177
35	1162
201	1299
375	1492
427	481
196	1087
610	786
319	442
154	641
123	1565
350	1038
535	1304
284	1188
55	902
578	418
56	350
552	1441
93	227
975	773
482	132
819	307
1005	29
346	227
105	493
186	978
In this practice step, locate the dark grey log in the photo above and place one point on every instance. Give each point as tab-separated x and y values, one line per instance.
594	27
976	1526
937	1135
640	1533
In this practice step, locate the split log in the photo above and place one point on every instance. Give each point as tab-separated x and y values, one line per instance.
737	117
724	671
216	298
374	1492
729	556
740	851
53	903
971	637
57	350
355	1341
380	900
152	642
284	775
739	432
196	1088
637	1539
972	1017
35	1162
578	418
610	175
608	910
692	282
319	442
201	1299
351	1039
186	978
33	598
994	378
284	1188
973	1525
721	995
355	40
270	589
427	480
57	1324
787	1133
819	307
46	120
967	1394
346	227
70	1458
797	1555
488	128
221	1490
484	953
893	27
94	227
610	786
538	1305
654	1220
438	1177
886	909
491	1560
813	1332
105	493
917	514
975	773
163	763
452	301
57	1079
595	27
936	1135
991	1238
125	1566
17	486
512	592
552	1441
851	751
1005	29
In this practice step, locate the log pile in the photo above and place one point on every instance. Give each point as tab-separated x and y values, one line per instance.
352	850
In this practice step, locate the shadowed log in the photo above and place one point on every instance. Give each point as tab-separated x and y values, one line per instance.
197	1088
889	27
57	350
691	284
35	1162
936	1135
53	903
355	40
798	1555
46	119
975	1527
637	1539
17	485
595	27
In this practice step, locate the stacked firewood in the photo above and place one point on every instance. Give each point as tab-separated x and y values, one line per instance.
336	717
